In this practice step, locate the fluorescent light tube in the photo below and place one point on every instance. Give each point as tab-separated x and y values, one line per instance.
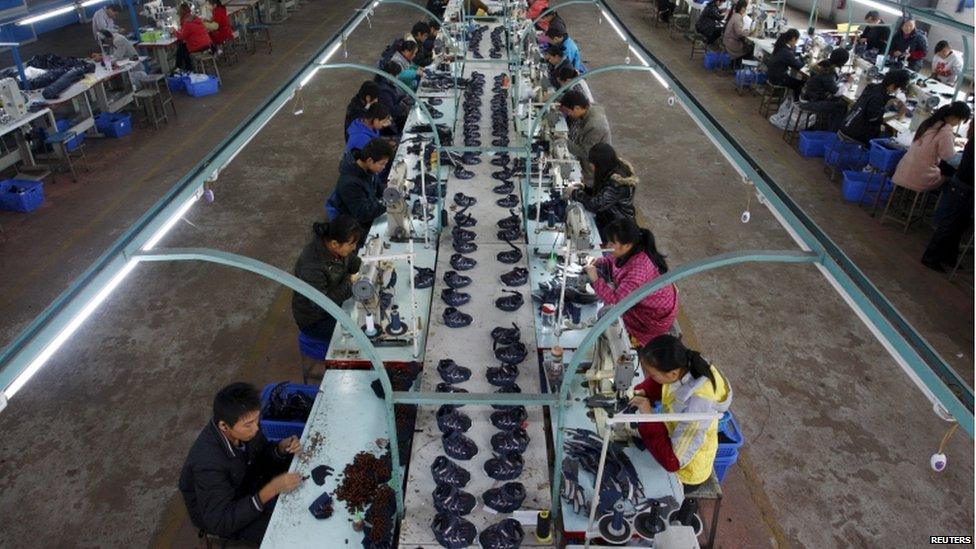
879	6
308	77
330	53
151	243
46	15
614	25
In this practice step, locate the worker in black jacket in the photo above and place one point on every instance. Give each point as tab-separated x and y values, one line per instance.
863	122
614	183
329	264
784	58
711	22
232	472
367	95
821	92
358	190
954	216
875	34
395	99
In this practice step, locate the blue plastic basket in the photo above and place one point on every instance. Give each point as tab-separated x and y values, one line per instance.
315	349
717	60
203	88
856	184
724	459
176	83
279	430
812	143
845	156
64	125
21	195
884	154
113	125
729	434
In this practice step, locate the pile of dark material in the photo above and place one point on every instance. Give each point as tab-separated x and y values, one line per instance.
361	479
402	379
380	519
61	73
285	405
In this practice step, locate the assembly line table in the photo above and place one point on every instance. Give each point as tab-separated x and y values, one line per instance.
23	152
347	418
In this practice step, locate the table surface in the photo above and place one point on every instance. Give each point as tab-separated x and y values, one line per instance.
350	419
26	119
162	43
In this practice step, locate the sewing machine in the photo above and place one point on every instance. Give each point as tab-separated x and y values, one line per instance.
374	293
609	379
11	99
399	226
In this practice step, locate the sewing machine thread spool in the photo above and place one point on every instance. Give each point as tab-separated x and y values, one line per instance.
649	523
396	326
614	527
543	527
370	328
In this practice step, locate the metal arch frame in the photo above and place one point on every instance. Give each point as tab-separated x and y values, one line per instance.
412	5
549	10
277	275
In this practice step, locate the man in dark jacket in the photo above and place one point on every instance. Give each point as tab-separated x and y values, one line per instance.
358	192
863	122
232	472
910	45
876	33
711	22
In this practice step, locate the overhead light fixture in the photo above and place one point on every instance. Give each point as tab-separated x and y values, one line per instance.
151	243
87	3
308	77
68	330
46	15
330	53
609	19
879	6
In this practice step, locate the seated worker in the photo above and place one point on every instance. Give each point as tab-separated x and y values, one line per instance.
219	24
684	383
437	7
395	99
633	263
358	191
535	9
910	45
711	22
369	93
875	34
783	59
232	472
614	183
946	64
410	73
566	75
117	46
924	167
821	93
555	57
735	33
551	20
329	264
193	38
419	34
104	20
434	42
591	128
368	127
864	120
954	216
558	37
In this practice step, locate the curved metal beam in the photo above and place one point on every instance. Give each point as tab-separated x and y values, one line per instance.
415	6
549	10
277	275
611	315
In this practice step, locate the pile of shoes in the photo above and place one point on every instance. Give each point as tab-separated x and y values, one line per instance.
472	116
496	43
499	113
474	41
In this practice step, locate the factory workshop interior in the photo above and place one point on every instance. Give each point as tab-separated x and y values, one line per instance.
486	273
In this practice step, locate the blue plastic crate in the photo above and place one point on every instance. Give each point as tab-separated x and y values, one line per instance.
315	349
115	125
729	434
845	156
64	125
745	78
279	430
21	195
884	154
723	460
857	183
203	88
812	143
176	83
717	60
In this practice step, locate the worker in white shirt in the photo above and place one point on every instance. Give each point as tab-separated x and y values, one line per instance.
104	19
946	64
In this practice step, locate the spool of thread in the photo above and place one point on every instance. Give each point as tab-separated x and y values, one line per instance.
687	510
370	325
543	527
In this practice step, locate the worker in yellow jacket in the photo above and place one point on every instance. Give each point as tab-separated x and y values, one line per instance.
683	382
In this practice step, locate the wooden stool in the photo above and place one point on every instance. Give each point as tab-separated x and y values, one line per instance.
698	45
898	201
59	141
791	135
772	97
710	490
205	63
259	32
148	99
165	94
228	52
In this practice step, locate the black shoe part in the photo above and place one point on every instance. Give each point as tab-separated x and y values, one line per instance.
451	372
447	472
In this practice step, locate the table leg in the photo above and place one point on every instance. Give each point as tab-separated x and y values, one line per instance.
162	58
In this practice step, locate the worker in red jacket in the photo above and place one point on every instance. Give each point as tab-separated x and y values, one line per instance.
218	17
193	38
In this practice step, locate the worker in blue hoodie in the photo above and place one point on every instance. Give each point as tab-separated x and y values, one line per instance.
358	190
570	49
363	130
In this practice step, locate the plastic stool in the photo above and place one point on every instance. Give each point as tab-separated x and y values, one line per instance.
259	33
313	352
60	140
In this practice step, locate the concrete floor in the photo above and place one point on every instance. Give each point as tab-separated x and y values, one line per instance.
838	438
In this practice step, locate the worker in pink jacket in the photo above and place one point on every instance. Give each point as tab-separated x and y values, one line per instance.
633	263
535	9
919	169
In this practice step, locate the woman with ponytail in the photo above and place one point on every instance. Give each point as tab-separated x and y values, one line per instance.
328	263
920	168
683	382
634	262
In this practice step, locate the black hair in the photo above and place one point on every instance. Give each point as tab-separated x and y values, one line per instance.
899	78
420	28
233	401
574	98
606	163
941	45
784	38
377	111
434	25
391	68
873	14
114	7
376	149
624	230
406	45
216	3
957	109
567	73
556	33
344	228
556	49
369	88
739	5
667	353
838	58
